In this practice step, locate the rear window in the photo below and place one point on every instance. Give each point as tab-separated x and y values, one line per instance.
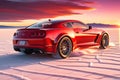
69	24
41	25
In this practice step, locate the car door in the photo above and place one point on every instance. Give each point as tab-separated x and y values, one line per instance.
83	34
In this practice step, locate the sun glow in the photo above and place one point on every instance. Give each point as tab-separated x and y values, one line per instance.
20	23
119	24
23	22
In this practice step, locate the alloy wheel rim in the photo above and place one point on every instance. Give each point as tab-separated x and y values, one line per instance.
105	41
65	47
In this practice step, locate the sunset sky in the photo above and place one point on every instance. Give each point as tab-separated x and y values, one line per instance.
26	12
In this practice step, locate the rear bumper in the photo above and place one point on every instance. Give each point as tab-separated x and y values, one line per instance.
45	45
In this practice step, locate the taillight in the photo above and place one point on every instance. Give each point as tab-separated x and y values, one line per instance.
15	34
39	34
42	34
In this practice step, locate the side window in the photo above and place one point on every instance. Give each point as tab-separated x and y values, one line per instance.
79	25
68	24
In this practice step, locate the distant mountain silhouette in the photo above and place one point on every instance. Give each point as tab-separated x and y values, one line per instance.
99	25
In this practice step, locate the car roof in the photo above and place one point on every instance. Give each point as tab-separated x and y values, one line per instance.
62	21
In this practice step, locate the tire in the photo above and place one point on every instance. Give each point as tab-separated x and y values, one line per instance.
104	41
64	48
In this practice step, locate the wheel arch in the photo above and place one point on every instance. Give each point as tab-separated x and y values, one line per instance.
104	34
104	44
100	36
60	36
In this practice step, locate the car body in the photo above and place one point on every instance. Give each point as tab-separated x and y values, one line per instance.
58	37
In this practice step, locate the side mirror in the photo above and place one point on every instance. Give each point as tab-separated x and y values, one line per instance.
90	27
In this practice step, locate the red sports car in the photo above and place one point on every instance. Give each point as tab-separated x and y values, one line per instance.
58	37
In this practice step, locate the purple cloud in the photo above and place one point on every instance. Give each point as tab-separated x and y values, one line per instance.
16	10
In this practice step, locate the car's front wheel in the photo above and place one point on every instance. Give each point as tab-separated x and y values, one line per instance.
64	48
104	41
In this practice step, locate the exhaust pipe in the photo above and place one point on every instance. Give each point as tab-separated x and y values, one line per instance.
39	52
22	50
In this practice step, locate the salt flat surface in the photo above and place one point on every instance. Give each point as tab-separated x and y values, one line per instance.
83	64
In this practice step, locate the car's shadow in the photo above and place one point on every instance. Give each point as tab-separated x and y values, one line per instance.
20	59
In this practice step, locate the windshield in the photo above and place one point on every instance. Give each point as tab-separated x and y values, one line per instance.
40	25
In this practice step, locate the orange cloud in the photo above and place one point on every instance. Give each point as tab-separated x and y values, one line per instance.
16	10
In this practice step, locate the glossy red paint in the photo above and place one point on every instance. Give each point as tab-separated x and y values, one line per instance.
45	36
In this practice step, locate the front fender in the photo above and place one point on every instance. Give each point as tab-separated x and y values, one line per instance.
100	36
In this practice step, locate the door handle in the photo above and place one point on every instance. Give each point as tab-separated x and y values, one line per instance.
76	32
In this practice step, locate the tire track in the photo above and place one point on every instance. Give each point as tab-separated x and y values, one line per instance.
18	77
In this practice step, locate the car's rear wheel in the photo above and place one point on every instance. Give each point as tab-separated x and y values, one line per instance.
104	41
64	48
